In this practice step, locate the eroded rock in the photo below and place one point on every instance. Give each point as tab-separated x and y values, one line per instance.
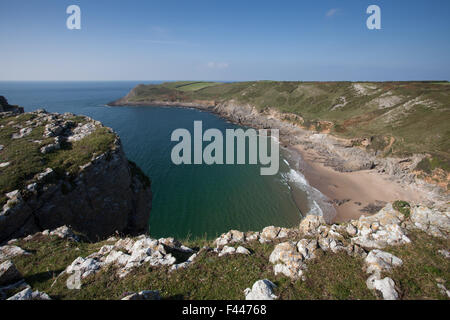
261	290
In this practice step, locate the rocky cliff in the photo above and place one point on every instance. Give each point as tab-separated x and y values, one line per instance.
6	107
67	170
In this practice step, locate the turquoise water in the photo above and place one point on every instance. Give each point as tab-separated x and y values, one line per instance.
188	200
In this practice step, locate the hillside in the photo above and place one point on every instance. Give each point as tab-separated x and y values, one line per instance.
399	253
391	118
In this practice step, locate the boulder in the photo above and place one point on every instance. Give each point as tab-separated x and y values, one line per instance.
310	224
242	250
431	221
29	294
9	273
227	250
261	290
11	251
144	295
381	229
64	232
387	288
287	260
269	234
378	261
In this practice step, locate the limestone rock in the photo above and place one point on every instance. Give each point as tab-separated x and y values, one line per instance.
261	290
431	221
64	232
445	253
85	200
443	290
29	294
232	236
387	288
242	250
227	250
287	260
381	229
11	251
8	273
144	295
378	261
269	234
310	224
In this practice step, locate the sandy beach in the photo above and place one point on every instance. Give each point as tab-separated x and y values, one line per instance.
354	193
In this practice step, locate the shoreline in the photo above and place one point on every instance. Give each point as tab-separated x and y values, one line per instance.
353	192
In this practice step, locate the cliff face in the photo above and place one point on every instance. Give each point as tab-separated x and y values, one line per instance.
78	175
6	107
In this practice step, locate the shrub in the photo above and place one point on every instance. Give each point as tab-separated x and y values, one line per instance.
402	207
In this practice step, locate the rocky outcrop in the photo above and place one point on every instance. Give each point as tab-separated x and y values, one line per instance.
5	107
261	290
8	273
126	254
107	194
29	294
144	295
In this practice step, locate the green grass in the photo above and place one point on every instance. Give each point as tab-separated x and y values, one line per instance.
403	207
26	160
422	266
191	86
329	276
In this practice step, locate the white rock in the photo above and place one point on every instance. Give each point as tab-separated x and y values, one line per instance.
26	294
227	250
387	288
268	234
9	273
261	290
64	232
287	259
310	224
378	261
443	289
11	251
242	250
144	295
431	221
445	253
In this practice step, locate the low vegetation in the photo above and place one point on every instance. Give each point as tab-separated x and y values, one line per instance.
26	160
329	276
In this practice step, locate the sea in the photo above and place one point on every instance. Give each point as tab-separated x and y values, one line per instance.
189	201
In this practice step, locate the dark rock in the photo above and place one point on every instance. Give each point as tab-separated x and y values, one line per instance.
8	273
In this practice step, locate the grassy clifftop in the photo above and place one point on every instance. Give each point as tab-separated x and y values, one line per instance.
399	118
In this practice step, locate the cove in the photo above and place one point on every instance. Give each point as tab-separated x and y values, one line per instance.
188	200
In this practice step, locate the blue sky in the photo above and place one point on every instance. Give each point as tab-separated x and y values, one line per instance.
225	40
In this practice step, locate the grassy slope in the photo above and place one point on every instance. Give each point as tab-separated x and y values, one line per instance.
25	157
418	126
330	276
